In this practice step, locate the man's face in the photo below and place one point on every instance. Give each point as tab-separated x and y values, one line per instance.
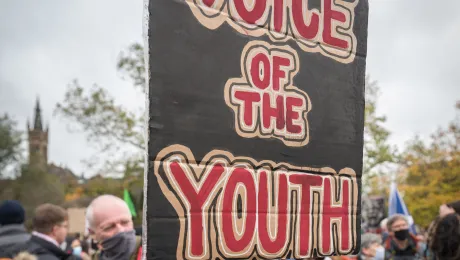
60	232
399	224
111	220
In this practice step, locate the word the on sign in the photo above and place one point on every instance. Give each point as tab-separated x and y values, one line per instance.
264	101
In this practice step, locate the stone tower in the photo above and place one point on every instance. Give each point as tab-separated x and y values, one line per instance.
38	140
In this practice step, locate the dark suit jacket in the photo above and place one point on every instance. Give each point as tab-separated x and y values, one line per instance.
12	235
41	248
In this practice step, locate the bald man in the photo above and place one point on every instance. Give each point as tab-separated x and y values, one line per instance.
110	224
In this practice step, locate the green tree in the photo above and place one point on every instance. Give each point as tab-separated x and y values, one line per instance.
100	185
36	186
132	64
10	144
116	131
378	153
432	171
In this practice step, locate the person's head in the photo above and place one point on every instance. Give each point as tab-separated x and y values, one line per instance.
51	220
446	238
107	216
398	227
449	208
76	247
11	212
371	246
75	243
383	225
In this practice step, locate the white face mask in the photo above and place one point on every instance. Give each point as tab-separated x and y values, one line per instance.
379	253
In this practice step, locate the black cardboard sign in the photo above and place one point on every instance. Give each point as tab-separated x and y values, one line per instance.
256	117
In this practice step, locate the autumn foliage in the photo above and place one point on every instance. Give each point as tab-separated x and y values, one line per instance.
432	175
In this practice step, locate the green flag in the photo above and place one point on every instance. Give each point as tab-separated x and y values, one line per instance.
130	203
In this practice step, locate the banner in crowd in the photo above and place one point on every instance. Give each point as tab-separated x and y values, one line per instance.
255	128
373	211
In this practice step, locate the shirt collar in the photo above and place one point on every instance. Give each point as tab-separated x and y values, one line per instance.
45	237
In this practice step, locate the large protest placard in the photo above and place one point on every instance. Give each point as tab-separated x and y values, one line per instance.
256	117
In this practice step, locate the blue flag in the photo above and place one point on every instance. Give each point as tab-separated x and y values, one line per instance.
397	206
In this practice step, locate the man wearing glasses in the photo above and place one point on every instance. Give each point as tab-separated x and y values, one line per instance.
50	230
401	244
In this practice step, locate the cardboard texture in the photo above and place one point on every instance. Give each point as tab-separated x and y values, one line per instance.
255	128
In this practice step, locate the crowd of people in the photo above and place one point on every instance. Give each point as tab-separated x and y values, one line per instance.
441	241
111	235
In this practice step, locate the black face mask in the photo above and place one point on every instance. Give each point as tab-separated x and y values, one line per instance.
402	234
119	247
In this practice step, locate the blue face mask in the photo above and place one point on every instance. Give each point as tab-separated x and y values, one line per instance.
380	253
77	251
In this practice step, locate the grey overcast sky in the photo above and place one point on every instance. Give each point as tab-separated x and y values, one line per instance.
412	52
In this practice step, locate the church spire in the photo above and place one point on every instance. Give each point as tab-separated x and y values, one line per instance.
38	117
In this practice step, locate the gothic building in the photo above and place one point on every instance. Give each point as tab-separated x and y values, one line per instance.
38	140
38	149
38	157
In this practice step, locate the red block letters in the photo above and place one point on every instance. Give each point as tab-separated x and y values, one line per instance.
234	207
264	101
